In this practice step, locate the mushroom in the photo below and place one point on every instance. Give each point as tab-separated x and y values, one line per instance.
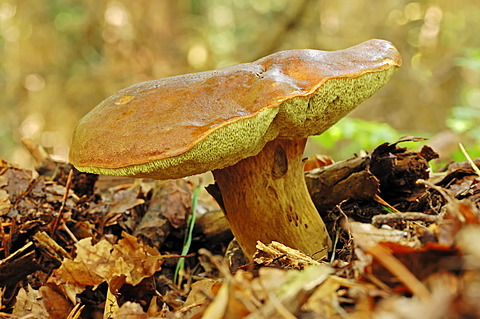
246	123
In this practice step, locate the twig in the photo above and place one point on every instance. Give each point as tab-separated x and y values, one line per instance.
17	253
381	201
65	196
469	159
394	218
69	232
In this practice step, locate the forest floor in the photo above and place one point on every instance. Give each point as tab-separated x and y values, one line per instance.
405	244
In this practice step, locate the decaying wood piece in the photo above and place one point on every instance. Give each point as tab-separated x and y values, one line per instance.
18	265
350	179
399	170
278	255
390	172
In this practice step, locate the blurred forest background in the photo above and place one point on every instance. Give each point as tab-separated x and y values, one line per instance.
59	58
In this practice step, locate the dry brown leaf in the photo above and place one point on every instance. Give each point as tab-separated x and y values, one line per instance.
92	264
29	303
5	204
202	290
97	263
219	306
55	192
125	199
449	299
175	199
76	312
47	302
295	290
145	259
18	182
129	310
402	267
324	300
111	304
56	303
317	161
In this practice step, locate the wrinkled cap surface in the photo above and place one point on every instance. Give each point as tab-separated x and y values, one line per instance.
154	122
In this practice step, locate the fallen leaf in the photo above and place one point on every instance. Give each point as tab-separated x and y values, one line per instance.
275	293
324	300
125	199
146	260
18	182
129	310
202	291
173	199
5	204
29	303
97	263
47	302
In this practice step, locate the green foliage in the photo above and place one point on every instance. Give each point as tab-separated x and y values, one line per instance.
464	119
471	59
351	135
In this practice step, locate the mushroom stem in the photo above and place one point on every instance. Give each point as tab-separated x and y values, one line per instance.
265	198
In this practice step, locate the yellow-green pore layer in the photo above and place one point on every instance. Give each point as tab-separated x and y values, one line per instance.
225	144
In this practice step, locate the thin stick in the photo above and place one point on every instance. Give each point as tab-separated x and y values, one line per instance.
65	196
380	200
469	159
393	218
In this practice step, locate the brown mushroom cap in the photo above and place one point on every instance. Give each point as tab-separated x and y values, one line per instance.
193	123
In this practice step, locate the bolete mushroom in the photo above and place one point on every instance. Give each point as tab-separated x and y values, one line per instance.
246	123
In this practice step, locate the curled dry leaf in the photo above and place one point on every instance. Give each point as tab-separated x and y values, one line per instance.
97	263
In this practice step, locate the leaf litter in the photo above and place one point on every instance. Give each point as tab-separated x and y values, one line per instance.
75	245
